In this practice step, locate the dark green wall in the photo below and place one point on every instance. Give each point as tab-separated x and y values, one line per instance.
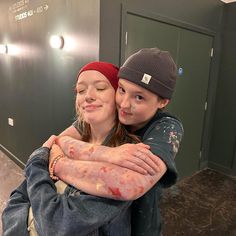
223	144
36	86
201	13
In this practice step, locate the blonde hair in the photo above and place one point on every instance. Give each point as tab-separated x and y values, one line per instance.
118	136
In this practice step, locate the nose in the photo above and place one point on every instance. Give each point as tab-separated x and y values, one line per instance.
90	95
124	102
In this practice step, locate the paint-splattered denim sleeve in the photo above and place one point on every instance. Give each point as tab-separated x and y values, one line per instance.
70	213
164	137
15	215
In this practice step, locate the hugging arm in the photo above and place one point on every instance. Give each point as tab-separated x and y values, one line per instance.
136	157
104	178
163	137
100	178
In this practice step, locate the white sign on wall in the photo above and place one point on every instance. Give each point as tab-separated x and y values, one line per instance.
22	10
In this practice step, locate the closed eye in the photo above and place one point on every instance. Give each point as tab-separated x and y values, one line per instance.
81	91
100	89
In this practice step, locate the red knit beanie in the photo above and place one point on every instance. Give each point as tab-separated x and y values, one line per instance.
109	70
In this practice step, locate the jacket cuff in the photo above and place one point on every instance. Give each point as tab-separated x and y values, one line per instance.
40	153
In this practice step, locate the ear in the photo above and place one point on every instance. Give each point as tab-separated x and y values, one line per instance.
163	102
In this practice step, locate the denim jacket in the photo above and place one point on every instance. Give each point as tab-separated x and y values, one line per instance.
75	213
71	213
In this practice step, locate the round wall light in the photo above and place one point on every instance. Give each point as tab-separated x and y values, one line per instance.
3	49
57	41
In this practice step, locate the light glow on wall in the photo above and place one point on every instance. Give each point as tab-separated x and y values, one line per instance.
10	49
70	44
57	41
14	50
3	49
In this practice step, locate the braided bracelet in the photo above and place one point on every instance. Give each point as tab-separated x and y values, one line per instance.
53	165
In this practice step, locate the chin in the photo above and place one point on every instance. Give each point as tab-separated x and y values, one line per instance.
124	121
90	120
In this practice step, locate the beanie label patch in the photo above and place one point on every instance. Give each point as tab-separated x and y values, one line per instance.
146	78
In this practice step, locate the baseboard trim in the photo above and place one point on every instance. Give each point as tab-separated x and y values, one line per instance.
220	168
203	165
12	156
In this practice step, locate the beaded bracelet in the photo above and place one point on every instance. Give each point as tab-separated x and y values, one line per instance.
53	165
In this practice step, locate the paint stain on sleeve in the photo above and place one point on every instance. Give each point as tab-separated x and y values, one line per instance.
173	139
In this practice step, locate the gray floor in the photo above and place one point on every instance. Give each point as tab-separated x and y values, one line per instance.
10	177
200	205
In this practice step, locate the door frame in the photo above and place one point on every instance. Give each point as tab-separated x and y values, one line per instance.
213	74
150	15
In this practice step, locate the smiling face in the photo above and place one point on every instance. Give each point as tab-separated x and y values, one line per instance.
136	105
95	99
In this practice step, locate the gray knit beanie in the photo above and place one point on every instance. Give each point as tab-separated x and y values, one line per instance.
152	69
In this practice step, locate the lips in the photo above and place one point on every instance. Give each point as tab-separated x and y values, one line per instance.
124	113
91	107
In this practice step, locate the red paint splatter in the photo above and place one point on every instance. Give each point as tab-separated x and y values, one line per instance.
141	189
151	181
71	151
115	191
103	169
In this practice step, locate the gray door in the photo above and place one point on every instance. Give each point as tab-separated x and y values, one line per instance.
191	51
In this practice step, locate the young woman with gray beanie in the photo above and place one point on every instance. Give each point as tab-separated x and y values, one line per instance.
147	81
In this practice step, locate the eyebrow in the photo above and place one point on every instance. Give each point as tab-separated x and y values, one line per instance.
135	91
138	92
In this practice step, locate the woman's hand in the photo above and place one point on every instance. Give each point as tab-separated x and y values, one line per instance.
55	151
50	141
136	157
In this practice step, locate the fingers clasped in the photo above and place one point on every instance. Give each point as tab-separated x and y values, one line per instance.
50	141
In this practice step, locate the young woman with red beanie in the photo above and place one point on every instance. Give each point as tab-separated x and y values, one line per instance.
41	207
